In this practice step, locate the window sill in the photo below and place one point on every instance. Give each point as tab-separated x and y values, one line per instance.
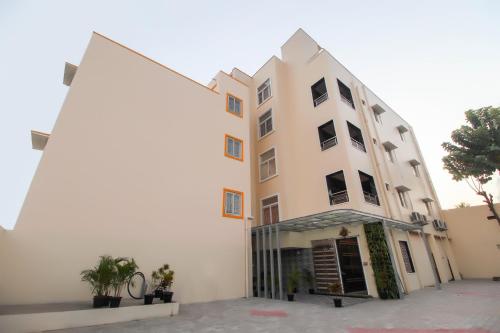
266	135
268	178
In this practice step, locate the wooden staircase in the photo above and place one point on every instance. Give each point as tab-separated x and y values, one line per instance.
325	264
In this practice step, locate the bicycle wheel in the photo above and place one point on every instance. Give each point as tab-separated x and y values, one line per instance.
136	285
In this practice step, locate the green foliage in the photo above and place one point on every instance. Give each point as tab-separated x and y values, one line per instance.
163	277
308	277
476	148
100	277
124	269
293	280
335	288
381	261
462	205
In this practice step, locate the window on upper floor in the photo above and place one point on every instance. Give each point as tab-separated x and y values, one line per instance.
402	130
267	161
345	93
266	123
390	151
415	167
377	113
233	147
405	251
404	197
233	203
428	206
369	189
234	105
337	189
327	135
264	91
378	118
270	210
319	93
356	137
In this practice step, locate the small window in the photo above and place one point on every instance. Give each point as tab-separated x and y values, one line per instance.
267	164
234	105
369	189
404	199
345	93
387	187
266	123
337	189
356	137
428	206
264	91
319	93
378	118
405	251
416	171
233	204
402	136
233	148
391	154
270	210
327	135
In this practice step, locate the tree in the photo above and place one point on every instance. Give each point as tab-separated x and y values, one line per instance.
474	155
462	205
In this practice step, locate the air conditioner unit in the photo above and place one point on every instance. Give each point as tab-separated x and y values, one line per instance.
415	217
435	223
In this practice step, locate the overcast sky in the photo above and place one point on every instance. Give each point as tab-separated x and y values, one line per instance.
429	60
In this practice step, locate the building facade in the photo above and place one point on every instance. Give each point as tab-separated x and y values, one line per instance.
254	175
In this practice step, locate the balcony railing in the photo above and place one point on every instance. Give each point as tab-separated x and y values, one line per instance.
320	99
328	143
346	100
371	198
338	197
358	145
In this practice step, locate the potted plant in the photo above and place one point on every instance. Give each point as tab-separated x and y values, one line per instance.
165	276
99	277
336	288
292	283
149	296
124	268
309	280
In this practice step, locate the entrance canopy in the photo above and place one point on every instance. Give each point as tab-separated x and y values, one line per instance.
338	217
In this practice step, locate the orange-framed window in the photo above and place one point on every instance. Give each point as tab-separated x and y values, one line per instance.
234	105
233	147
232	205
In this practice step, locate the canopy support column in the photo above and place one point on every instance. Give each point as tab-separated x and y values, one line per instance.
278	249
257	252
437	284
264	256
271	261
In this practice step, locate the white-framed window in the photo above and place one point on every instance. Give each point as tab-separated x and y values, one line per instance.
415	169
233	147
391	154
264	91
234	105
270	210
266	123
404	198
267	161
233	203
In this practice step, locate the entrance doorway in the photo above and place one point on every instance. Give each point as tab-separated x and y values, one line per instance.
351	267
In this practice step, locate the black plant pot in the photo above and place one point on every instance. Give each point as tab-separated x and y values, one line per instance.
311	291
159	293
337	302
167	296
290	297
100	301
383	294
114	302
148	299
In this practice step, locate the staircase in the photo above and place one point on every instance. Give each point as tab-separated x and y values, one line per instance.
325	264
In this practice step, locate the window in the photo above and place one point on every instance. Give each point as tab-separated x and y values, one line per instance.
428	206
402	136
345	93
369	189
337	189
416	172
378	118
402	130
267	164
233	147
356	137
377	112
234	105
266	123
233	204
405	251
270	211
264	91
390	148
327	136
404	198
319	93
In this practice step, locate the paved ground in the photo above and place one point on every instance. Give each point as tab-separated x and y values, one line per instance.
461	307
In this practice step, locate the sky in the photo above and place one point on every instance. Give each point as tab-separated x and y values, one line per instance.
429	60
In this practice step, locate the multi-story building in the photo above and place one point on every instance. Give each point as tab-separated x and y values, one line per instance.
234	184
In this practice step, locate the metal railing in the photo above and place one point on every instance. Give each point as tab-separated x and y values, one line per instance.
371	198
328	143
358	145
338	197
320	99
346	100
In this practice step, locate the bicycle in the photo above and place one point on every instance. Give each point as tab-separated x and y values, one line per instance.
137	285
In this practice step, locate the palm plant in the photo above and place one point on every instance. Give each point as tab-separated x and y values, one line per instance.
293	280
100	276
124	269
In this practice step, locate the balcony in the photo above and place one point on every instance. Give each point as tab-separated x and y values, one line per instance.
320	99
329	143
338	197
358	145
371	198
